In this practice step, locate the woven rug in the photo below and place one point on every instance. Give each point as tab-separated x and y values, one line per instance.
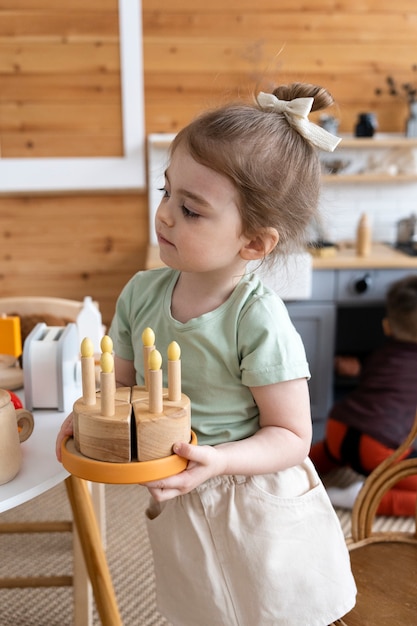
128	554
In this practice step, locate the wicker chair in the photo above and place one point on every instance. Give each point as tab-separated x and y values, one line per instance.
384	563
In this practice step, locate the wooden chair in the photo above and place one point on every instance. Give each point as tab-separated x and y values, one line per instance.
384	563
66	309
27	305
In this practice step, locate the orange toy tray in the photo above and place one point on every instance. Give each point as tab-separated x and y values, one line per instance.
120	473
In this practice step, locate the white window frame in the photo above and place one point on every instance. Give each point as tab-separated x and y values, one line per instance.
125	173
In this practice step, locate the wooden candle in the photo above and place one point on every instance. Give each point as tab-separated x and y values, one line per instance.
174	372
155	382
107	384
106	344
88	375
148	340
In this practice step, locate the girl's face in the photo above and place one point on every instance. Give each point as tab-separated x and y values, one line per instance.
198	224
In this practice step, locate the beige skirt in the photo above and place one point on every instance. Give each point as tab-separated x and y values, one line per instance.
251	551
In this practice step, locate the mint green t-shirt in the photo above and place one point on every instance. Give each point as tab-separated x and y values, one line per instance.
248	341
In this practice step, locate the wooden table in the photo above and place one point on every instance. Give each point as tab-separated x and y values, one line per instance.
40	472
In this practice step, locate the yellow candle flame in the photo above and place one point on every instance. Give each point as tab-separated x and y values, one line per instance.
87	347
155	360
106	362
174	351
148	337
106	344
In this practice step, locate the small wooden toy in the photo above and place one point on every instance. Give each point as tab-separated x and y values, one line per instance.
102	422
174	372
11	374
10	335
156	404
127	424
88	375
163	416
148	340
107	379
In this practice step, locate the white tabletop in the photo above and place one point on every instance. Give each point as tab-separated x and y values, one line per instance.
40	469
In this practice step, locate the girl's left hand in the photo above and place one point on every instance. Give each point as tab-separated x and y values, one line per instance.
203	463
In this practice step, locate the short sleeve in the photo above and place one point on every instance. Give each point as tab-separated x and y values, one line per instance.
271	350
120	329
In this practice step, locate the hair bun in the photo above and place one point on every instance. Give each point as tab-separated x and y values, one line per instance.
322	97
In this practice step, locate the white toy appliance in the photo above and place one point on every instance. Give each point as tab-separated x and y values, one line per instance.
51	366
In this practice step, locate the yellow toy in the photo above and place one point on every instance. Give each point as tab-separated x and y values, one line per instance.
10	335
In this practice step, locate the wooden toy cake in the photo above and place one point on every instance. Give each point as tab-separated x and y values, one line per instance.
127	424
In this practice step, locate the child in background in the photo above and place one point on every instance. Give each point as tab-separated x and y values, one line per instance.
372	421
246	535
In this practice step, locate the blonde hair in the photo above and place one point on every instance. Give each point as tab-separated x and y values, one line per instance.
401	305
275	170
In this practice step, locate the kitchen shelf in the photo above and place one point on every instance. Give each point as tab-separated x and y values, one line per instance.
360	147
340	179
377	141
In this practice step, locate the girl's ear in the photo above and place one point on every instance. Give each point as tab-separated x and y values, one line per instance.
261	245
386	327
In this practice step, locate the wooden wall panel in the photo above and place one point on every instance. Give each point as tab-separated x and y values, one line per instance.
59	75
52	24
193	7
60	95
71	246
58	5
219	50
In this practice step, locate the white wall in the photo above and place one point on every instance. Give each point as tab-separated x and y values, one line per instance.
385	203
390	158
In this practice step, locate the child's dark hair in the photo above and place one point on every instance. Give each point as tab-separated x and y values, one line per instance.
275	170
401	304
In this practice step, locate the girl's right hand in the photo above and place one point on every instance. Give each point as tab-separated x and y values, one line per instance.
67	430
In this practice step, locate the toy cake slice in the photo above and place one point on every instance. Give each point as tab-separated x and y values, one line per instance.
157	432
101	437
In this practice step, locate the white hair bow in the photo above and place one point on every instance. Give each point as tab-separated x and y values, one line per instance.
296	111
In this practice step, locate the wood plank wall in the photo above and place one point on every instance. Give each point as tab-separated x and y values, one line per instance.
200	53
60	96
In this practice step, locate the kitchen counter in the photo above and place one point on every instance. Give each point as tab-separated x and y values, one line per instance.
382	256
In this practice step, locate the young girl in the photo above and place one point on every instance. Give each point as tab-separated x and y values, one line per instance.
246	535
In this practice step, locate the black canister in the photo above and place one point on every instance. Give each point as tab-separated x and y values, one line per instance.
366	125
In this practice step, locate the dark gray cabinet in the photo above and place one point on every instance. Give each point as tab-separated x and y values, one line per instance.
316	324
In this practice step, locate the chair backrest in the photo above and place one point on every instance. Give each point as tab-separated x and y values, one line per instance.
29	305
381	480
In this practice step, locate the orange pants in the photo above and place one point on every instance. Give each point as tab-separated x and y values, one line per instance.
364	454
